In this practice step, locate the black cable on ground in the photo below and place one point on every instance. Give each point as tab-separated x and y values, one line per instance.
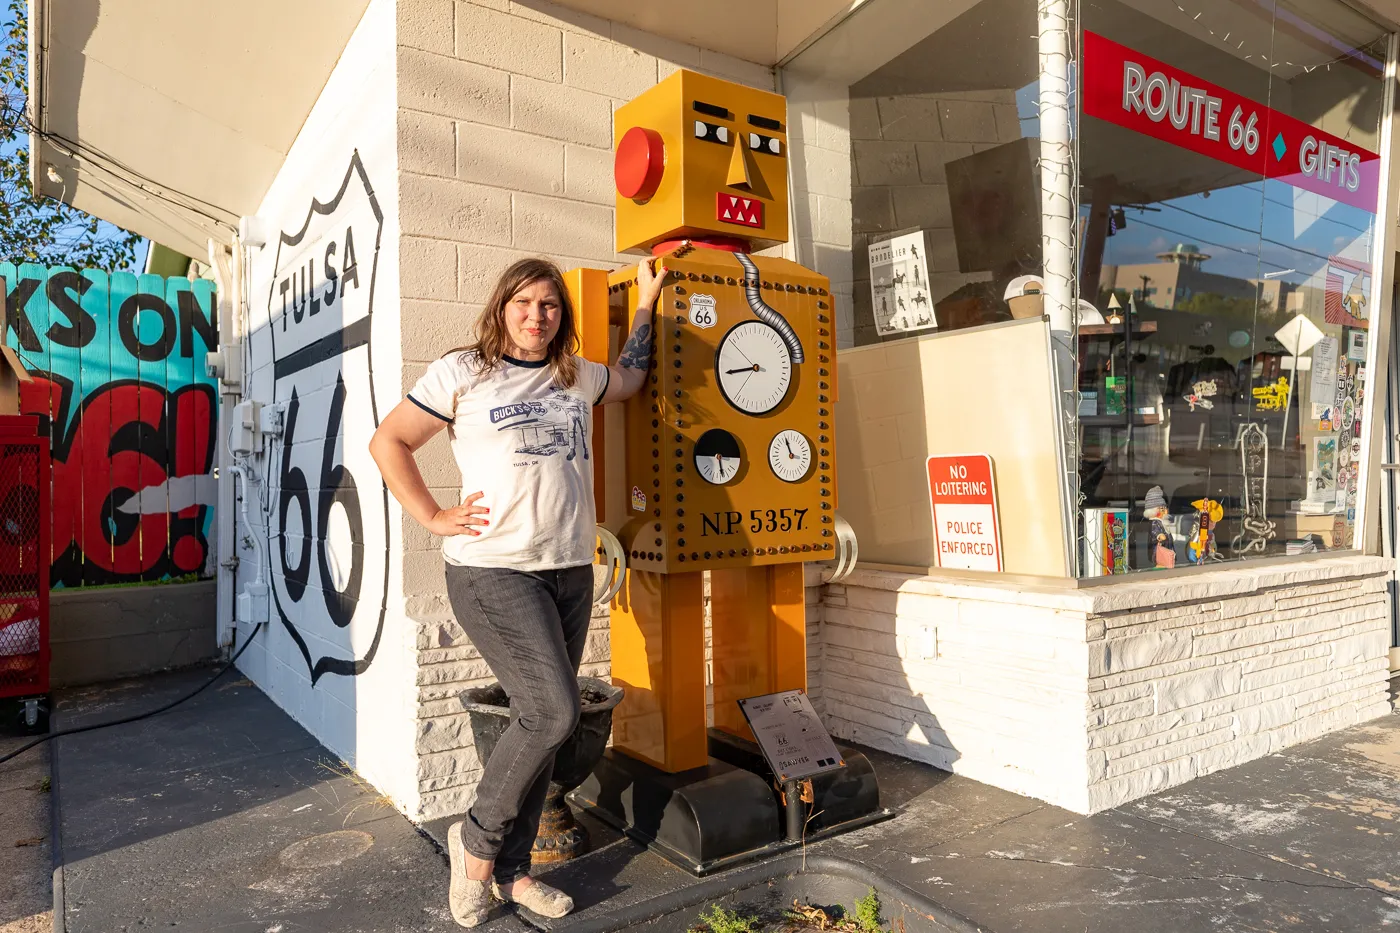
139	716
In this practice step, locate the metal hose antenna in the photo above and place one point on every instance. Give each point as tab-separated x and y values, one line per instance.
764	313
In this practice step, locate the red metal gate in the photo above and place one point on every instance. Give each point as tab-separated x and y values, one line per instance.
24	557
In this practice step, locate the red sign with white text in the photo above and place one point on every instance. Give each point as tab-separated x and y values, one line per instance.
1151	97
966	529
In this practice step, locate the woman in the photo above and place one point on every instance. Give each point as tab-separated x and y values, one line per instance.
518	406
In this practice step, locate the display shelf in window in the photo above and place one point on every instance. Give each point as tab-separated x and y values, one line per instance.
1119	421
1140	330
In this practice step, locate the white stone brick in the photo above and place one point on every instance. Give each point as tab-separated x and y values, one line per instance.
427	268
446	733
510	43
430	329
560	226
511	159
478	268
454	672
1197	687
1302	673
567	113
454	210
461	761
1140	651
423	573
426	24
1357	648
588	174
452	88
605	67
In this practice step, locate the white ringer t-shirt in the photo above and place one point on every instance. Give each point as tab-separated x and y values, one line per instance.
526	444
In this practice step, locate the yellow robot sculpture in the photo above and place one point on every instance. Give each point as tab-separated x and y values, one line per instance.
729	464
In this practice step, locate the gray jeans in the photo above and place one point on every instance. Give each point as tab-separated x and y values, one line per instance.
530	627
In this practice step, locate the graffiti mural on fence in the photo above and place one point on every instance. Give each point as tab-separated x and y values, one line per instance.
120	389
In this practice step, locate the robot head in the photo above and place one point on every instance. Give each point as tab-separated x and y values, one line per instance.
697	156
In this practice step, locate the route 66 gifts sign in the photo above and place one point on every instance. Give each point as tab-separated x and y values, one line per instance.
329	506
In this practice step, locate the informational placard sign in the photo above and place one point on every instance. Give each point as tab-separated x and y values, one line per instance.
792	738
900	294
1148	96
966	530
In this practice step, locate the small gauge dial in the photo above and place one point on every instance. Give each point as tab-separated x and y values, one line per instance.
790	456
754	367
717	456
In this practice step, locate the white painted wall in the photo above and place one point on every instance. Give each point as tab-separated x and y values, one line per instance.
344	668
505	150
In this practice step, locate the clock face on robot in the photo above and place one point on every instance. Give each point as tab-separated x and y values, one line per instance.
717	456
753	367
790	456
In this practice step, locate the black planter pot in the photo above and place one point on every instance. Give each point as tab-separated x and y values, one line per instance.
488	709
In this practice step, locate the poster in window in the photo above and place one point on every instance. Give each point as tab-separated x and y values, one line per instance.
899	286
1356	345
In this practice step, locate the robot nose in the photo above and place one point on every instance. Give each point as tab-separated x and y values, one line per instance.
738	168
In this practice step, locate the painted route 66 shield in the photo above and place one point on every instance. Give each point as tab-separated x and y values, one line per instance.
329	506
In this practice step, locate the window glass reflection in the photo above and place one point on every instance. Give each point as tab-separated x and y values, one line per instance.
1219	405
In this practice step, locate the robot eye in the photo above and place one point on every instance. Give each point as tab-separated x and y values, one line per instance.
760	143
711	132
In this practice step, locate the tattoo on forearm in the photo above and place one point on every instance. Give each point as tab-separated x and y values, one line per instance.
636	353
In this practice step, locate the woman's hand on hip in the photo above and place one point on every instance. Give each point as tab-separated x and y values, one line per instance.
460	519
649	282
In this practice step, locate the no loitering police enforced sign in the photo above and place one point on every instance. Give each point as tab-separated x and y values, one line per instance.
966	532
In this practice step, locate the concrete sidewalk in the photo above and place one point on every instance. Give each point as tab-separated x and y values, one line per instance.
225	815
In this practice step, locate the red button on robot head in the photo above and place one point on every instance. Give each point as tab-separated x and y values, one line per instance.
640	160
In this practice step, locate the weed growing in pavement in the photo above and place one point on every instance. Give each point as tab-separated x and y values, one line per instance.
719	920
864	917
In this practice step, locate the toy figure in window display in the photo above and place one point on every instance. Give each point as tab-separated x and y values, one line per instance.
1163	545
1201	547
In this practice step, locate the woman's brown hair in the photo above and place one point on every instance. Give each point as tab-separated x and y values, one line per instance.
492	342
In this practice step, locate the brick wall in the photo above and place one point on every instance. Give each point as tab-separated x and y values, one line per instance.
505	150
1185	690
1091	697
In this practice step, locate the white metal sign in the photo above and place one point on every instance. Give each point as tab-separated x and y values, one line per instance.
791	736
702	310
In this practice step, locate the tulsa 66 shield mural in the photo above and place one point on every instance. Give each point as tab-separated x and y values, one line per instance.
329	507
120	390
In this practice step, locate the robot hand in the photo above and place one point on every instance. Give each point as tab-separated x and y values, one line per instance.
847	551
615	559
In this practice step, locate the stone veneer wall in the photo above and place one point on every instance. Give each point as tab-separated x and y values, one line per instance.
505	150
1088	698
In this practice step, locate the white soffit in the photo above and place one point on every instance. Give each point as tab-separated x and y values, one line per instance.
761	31
180	114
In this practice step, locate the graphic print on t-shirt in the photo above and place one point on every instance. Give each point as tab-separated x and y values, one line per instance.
554	424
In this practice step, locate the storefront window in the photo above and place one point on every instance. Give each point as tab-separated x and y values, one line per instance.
936	107
1229	176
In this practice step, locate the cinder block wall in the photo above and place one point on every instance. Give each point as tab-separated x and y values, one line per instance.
899	148
1093	697
106	633
505	150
